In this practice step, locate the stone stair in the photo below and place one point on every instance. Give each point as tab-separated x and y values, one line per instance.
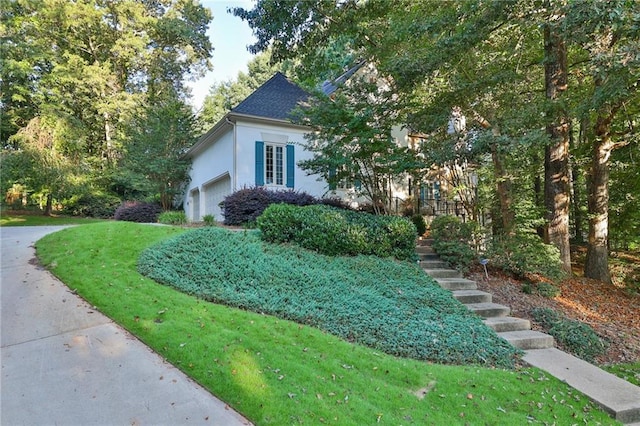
516	331
618	397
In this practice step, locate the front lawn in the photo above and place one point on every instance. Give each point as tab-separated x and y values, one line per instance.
11	218
276	371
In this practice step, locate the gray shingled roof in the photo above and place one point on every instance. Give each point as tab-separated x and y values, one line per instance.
276	99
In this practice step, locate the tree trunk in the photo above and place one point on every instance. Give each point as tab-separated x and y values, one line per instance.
597	262
503	181
557	195
49	205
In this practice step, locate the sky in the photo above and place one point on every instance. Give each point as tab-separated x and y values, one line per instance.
230	37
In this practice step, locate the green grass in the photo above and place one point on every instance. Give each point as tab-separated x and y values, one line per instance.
627	371
278	372
9	218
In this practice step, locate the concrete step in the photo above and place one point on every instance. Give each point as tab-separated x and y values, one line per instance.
443	273
528	339
433	264
425	242
424	250
428	256
472	296
457	284
501	324
488	310
618	397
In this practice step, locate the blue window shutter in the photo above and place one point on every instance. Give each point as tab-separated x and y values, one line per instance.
332	175
357	184
259	163
291	166
436	190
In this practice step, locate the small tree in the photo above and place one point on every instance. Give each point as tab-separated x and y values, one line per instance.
351	140
159	139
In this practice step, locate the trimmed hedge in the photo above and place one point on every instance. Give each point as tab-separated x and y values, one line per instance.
387	305
98	205
138	211
332	231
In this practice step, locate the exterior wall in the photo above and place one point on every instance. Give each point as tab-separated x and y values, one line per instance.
213	167
248	133
208	166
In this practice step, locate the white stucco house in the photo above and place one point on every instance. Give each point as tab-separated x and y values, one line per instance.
255	144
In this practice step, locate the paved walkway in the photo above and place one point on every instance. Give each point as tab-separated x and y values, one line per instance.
63	363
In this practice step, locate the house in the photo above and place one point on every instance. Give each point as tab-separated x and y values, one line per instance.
255	144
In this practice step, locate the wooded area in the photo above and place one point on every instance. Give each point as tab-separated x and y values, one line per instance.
552	87
94	102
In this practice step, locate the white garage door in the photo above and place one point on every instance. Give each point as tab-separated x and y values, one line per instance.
214	193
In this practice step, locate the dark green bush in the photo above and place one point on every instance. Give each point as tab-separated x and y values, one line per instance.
523	254
577	337
388	305
244	206
420	224
173	218
453	241
333	231
138	211
99	205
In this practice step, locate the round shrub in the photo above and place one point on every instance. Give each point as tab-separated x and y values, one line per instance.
525	253
138	211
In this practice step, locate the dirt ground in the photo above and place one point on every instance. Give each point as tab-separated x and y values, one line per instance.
611	311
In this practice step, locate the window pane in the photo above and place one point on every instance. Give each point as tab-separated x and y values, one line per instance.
269	165
279	166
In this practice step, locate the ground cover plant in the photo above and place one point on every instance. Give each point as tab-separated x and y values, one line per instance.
279	372
390	306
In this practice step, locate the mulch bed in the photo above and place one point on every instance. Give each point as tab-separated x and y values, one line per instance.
613	313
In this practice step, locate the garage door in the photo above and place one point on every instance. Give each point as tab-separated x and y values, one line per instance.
214	194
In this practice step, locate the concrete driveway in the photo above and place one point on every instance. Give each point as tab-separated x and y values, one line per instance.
64	363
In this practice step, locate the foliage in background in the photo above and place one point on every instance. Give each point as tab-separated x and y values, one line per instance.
98	204
159	138
83	72
453	240
172	218
138	211
577	337
523	254
337	232
390	306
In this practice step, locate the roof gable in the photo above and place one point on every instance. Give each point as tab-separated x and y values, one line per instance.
275	99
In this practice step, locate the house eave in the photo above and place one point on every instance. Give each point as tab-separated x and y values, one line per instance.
225	124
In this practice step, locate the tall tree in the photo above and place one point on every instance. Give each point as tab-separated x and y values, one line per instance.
610	35
160	135
556	159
